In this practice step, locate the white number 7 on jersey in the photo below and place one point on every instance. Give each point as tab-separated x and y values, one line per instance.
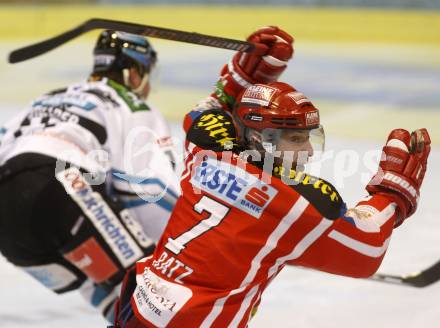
217	213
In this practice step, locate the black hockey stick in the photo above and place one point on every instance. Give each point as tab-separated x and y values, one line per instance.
42	47
420	279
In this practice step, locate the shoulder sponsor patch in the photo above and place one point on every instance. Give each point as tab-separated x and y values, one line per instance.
233	185
213	130
158	300
319	192
101	215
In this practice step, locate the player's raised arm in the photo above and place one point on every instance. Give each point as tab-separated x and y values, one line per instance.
273	50
355	243
402	170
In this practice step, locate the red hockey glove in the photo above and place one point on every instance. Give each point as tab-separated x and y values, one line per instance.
402	169
266	63
273	49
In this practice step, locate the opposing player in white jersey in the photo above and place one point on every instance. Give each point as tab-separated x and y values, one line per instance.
87	182
248	209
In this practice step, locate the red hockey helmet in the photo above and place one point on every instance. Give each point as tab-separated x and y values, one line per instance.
275	105
270	108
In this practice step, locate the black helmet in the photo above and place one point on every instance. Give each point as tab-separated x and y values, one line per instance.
115	51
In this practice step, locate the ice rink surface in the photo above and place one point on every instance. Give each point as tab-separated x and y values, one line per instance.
362	96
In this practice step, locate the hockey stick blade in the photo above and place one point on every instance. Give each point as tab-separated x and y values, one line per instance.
421	279
42	47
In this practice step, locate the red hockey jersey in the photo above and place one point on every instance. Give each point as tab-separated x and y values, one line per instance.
236	226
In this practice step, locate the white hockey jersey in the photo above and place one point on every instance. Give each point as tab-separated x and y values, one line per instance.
102	127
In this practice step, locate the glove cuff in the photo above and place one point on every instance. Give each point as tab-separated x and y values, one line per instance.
399	189
232	81
238	75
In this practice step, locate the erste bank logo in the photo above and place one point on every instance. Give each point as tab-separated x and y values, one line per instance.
233	185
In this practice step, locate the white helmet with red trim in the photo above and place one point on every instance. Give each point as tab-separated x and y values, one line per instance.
265	113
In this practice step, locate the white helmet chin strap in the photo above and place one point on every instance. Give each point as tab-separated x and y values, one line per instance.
138	91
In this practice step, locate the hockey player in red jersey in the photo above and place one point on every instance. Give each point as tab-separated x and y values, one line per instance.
248	209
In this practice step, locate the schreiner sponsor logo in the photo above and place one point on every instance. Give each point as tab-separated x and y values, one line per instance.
233	185
101	215
258	94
